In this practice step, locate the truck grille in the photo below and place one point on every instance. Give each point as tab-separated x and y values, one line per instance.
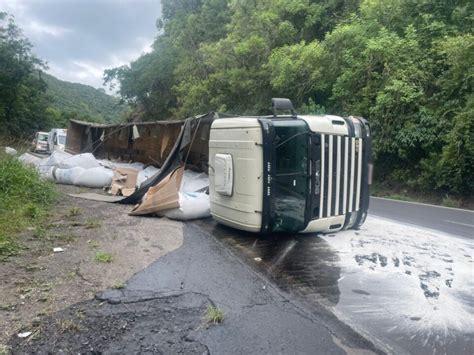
341	171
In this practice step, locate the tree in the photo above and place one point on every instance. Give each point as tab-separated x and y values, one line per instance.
406	65
23	102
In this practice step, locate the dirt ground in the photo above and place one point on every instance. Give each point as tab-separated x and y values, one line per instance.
158	325
102	248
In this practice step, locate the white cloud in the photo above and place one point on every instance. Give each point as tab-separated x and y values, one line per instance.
31	27
78	72
91	73
79	40
141	46
87	70
37	29
13	7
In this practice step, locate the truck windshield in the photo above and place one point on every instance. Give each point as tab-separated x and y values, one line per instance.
290	174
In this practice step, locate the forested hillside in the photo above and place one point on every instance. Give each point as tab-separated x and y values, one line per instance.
31	100
83	101
406	65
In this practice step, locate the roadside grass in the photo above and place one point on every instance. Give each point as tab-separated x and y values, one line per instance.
410	195
25	200
214	315
94	244
4	349
119	285
92	223
103	257
67	326
73	212
19	144
449	201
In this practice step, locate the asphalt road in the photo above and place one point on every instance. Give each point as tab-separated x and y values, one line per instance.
162	310
449	220
259	317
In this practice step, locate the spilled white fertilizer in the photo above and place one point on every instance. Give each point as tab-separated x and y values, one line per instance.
406	283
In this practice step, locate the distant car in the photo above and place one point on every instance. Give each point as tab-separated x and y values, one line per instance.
57	139
40	142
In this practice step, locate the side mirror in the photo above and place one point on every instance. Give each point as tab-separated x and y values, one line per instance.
283	104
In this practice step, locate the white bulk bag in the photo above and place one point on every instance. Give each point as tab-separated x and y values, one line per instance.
95	177
145	174
64	176
191	206
30	159
54	160
85	160
10	151
193	181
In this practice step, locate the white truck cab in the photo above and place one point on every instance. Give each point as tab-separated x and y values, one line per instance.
57	139
290	173
40	142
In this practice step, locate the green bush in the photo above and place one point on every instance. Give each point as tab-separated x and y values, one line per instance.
103	257
24	201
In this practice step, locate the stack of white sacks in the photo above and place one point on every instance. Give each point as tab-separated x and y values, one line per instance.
79	170
87	171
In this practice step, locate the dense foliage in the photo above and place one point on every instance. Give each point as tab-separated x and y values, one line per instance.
31	100
406	65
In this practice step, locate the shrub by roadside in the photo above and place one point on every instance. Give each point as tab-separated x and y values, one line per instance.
24	201
404	193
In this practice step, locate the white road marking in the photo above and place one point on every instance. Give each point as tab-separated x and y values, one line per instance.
422	204
461	224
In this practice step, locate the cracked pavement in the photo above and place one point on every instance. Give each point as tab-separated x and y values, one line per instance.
162	309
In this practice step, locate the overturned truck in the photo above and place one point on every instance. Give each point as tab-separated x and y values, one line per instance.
278	173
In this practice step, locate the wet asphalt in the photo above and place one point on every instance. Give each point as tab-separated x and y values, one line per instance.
454	221
259	316
408	290
301	294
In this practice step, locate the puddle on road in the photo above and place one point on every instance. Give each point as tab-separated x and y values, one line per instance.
305	263
410	288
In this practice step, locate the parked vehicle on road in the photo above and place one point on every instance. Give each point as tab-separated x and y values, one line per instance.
57	139
40	142
290	173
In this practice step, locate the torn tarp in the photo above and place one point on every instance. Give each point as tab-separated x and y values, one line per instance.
191	149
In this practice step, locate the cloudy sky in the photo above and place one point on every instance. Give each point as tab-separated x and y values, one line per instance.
81	38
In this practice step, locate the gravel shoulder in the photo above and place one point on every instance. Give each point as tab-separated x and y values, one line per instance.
102	248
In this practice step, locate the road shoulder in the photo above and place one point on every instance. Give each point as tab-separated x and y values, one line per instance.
98	246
